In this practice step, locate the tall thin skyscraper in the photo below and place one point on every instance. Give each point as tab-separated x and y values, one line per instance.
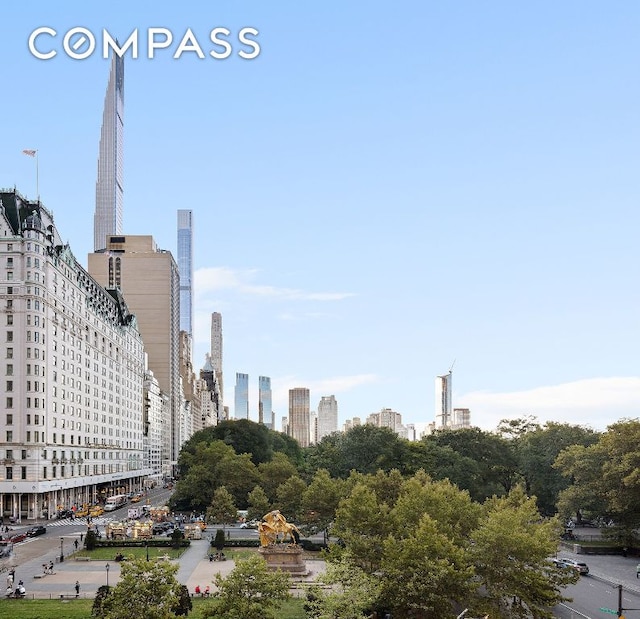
443	401
185	268
327	416
265	412
216	349
109	184
241	410
299	415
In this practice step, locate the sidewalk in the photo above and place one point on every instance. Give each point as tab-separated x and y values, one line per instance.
194	569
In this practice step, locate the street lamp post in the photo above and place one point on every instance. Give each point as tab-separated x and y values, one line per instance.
146	545
106	567
61	553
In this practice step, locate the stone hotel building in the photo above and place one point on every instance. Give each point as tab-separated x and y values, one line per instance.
72	427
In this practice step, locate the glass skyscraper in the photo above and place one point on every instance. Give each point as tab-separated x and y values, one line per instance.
241	410
265	414
185	268
107	219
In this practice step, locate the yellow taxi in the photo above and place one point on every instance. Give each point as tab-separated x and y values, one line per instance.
96	511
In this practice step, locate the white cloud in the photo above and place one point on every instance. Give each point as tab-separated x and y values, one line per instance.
593	402
215	279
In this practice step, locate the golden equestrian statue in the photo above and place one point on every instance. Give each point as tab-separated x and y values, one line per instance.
275	528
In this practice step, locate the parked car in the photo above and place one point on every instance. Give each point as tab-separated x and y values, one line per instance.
37	530
580	566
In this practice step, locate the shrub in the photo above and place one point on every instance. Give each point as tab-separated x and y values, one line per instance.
219	539
101	595
184	604
90	540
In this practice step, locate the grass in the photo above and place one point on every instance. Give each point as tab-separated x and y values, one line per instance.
81	609
134	552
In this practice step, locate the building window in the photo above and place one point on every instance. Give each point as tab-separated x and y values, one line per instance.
9	289
44	472
9	336
9	402
9	419
9	472
9	319
23	472
9	369
9	385
9	436
9	353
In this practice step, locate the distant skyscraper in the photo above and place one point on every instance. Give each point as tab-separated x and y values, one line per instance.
241	410
443	401
185	268
327	416
461	418
216	349
109	184
299	415
149	280
265	412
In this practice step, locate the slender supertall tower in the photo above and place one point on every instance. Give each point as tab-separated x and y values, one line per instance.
443	401
216	349
109	184
185	268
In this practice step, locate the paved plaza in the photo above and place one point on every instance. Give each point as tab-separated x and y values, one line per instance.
194	569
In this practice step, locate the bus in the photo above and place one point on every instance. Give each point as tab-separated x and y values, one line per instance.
114	502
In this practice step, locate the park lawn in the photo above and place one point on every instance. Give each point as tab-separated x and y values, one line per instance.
45	609
81	609
136	552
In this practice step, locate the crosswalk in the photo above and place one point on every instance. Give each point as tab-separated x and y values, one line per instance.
98	520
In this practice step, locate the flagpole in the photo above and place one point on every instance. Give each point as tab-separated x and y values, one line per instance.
34	153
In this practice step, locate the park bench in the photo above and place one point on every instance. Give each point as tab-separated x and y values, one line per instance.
68	596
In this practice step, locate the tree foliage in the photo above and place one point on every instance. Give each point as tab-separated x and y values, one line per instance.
222	509
146	590
510	551
605	477
250	591
352	592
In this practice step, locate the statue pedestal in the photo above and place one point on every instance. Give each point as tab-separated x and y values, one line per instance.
285	557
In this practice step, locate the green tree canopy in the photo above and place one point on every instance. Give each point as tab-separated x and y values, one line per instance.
537	451
250	591
222	509
510	551
146	590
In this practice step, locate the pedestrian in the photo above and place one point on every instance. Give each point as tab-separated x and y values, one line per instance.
81	536
75	543
638	570
77	588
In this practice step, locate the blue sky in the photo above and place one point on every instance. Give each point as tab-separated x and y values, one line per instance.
386	188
